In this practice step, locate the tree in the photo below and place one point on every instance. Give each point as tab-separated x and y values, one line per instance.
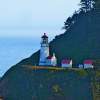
68	23
86	5
72	20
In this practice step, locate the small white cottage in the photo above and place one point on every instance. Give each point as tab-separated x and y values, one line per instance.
54	60
88	64
80	66
66	63
51	60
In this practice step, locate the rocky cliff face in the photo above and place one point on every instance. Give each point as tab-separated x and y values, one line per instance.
21	83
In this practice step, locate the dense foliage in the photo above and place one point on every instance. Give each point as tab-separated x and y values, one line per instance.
86	6
22	83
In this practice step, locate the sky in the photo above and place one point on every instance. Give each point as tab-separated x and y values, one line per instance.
26	18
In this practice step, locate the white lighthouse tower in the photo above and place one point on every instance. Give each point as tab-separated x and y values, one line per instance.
44	51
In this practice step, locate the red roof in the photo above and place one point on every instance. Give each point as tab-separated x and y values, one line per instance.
66	61
49	57
44	36
88	62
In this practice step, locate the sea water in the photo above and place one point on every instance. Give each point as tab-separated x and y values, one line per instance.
13	50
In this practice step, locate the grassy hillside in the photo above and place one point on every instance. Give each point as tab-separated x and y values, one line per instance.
25	83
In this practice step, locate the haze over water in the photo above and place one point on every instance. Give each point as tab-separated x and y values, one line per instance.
12	50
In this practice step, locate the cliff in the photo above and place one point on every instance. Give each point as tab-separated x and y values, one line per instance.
24	83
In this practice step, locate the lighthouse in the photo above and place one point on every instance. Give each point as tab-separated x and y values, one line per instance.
44	51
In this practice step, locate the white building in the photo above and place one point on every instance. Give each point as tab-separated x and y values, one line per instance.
66	63
54	60
45	58
88	64
51	60
80	66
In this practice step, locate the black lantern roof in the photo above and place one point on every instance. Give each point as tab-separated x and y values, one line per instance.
44	36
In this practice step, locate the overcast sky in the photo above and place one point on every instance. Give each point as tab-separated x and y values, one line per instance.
25	17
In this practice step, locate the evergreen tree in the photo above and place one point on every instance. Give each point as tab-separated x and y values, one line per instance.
86	5
68	23
72	20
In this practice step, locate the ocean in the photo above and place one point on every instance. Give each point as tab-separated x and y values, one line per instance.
13	50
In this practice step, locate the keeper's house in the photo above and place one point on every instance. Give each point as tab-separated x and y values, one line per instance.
66	63
88	64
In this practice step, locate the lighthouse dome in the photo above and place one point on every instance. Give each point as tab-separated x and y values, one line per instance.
44	36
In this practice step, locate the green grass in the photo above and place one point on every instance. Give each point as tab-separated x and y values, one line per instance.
81	72
98	73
